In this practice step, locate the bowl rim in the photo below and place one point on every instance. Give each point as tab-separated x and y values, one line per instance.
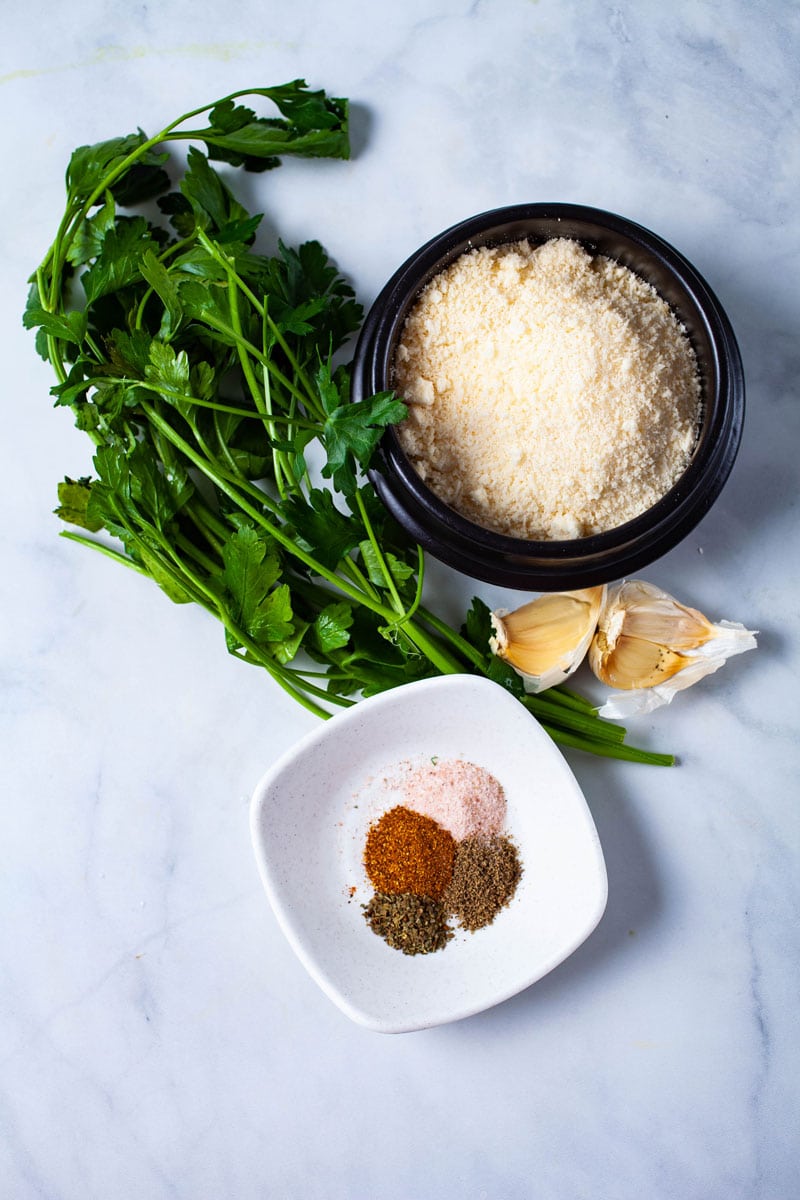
497	557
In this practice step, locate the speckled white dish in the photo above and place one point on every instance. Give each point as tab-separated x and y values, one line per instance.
309	817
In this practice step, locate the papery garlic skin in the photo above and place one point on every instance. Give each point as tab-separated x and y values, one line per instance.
651	646
546	640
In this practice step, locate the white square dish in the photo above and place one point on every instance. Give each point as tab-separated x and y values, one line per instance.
309	818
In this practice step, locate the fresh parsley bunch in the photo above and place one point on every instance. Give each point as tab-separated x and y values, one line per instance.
203	371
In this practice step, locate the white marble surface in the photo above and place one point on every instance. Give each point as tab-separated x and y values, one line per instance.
157	1037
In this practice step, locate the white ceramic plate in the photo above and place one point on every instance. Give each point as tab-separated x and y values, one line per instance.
310	814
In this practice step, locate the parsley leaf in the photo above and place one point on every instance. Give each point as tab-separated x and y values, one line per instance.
478	625
314	126
251	570
504	674
68	326
89	165
167	370
73	502
351	433
166	288
89	235
324	530
401	571
332	626
118	260
213	203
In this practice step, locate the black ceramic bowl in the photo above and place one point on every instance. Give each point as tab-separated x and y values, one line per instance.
599	558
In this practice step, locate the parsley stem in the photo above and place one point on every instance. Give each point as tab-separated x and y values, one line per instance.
186	579
224	449
565	696
279	470
310	398
415	603
93	346
198	437
260	306
568	718
267	363
172	394
387	574
357	575
109	551
217	477
557	705
236	476
197	553
609	749
288	685
236	321
173	248
437	655
215	530
165	450
197	516
456	640
332	697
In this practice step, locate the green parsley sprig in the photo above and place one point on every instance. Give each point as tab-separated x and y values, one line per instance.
204	371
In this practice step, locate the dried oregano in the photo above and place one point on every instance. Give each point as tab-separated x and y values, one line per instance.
413	924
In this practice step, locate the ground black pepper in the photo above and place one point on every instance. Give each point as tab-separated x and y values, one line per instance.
413	924
486	872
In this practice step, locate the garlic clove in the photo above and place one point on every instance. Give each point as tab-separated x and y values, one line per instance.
546	639
651	646
639	663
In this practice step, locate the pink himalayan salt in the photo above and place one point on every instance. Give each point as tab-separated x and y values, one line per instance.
464	798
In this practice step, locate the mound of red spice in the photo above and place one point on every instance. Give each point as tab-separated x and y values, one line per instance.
409	852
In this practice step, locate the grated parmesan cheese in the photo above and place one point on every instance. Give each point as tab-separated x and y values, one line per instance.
551	394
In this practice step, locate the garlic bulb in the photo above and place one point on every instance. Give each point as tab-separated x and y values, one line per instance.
652	647
547	639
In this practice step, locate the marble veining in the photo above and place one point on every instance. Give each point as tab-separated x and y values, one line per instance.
158	1038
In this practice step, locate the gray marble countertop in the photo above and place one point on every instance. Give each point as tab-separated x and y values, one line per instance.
158	1036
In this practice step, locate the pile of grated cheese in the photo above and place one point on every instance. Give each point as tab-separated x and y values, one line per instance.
551	394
